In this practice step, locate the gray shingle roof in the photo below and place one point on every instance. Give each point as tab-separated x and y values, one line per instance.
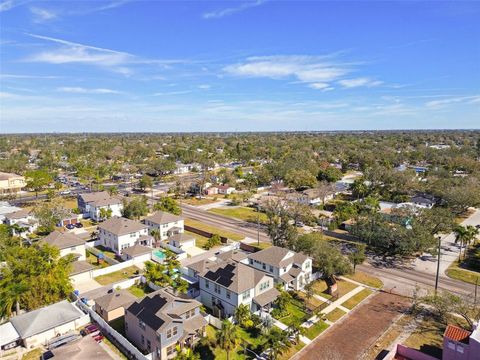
274	255
101	198
182	237
266	297
62	240
115	300
46	318
121	226
136	250
162	217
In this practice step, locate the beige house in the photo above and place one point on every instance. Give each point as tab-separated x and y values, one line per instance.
112	306
68	243
161	321
11	183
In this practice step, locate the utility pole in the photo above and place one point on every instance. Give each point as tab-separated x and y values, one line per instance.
475	300
258	229
438	264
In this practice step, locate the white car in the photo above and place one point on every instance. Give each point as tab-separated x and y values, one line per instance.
65	192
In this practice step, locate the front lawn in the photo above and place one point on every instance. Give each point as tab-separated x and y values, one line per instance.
312	303
213	229
241	213
357	298
320	288
469	269
344	287
294	314
366	279
316	329
455	272
203	201
117	275
335	314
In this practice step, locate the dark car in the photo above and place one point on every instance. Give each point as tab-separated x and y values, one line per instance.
89	330
70	226
78	225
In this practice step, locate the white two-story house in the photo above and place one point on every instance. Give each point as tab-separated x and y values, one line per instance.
119	233
226	283
68	243
24	219
168	224
292	269
90	205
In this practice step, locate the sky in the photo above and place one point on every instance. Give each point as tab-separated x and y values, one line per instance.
259	65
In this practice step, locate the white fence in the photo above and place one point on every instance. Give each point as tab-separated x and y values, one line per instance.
132	351
216	322
113	268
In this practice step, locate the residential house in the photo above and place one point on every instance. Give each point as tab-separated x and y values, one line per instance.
67	242
226	283
112	306
119	233
212	190
161	320
69	218
11	183
39	326
225	189
182	241
6	208
460	344
137	252
292	269
90	204
25	219
168	224
423	200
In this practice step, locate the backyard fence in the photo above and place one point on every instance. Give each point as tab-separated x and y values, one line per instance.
91	249
203	233
118	339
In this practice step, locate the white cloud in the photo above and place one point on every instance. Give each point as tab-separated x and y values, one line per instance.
180	92
230	11
317	71
358	82
80	90
453	100
204	86
41	15
6	5
17	76
321	86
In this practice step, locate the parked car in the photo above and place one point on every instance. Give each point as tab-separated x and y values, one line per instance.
78	225
65	192
89	329
98	338
70	226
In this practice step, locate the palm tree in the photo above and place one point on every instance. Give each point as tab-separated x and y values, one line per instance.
11	296
242	314
227	337
156	235
186	354
278	342
465	235
295	330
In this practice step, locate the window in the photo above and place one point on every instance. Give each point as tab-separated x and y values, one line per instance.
271	268
246	295
149	346
143	339
307	266
142	325
250	261
216	288
169	333
207	284
264	266
73	248
228	294
264	286
460	349
284	269
126	326
171	350
175	329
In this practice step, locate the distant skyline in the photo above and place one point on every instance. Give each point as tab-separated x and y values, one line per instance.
180	66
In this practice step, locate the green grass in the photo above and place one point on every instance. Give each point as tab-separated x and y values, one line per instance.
455	272
313	302
344	287
213	230
119	325
203	201
92	260
295	313
117	275
316	329
114	349
320	288
292	351
200	240
32	355
106	251
241	213
335	314
356	299
139	290
366	279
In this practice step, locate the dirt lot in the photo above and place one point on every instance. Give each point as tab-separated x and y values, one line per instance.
352	335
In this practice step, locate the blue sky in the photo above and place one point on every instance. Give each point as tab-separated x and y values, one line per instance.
238	65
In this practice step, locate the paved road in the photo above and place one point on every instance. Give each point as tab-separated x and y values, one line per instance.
223	222
348	339
399	280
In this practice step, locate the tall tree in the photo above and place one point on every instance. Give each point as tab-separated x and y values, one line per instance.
227	337
357	255
38	180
